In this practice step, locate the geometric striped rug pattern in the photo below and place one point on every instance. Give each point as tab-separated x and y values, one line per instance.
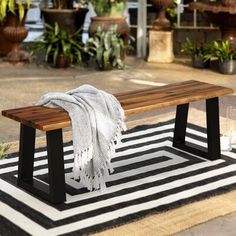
150	176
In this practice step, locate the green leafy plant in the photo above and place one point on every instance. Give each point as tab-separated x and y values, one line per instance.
108	7
108	48
171	13
223	51
57	43
3	150
12	5
194	49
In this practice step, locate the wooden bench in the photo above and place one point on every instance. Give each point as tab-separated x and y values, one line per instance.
52	121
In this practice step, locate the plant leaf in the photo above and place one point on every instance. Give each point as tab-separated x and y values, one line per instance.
55	55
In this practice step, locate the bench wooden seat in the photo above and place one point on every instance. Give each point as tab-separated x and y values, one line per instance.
47	119
52	121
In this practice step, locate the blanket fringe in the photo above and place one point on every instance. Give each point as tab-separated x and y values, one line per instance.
82	159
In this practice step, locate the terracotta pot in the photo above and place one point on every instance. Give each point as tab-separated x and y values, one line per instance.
15	32
162	23
69	20
5	45
106	22
62	61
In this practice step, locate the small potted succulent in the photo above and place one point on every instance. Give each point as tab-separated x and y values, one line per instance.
108	48
225	53
61	48
197	52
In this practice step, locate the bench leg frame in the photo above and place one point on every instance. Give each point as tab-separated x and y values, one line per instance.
213	131
55	192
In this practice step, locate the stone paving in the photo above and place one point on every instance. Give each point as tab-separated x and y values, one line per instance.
22	85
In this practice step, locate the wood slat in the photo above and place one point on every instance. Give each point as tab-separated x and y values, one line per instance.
133	102
39	117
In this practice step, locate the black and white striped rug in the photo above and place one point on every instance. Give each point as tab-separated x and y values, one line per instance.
150	177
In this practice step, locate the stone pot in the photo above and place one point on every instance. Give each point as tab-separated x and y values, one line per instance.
162	23
106	22
69	20
227	67
198	62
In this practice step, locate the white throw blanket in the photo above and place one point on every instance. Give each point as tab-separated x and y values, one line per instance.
97	121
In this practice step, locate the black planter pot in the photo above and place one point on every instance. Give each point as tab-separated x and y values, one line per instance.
69	20
227	67
198	62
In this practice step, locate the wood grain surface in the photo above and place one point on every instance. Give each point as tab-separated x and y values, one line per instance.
133	102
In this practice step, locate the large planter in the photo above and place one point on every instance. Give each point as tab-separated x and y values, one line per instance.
106	22
15	32
162	23
69	20
5	45
227	67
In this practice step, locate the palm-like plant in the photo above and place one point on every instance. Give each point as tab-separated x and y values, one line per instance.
57	42
12	5
223	51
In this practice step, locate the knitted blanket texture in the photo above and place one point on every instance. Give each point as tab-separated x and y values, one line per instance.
97	121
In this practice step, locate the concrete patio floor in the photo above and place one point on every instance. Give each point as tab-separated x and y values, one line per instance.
22	85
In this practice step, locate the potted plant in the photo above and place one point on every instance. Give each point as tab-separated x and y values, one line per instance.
225	53
70	17
108	48
109	12
61	48
197	52
12	19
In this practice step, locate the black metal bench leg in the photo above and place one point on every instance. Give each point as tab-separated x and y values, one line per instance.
55	192
213	131
26	154
213	128
56	166
180	124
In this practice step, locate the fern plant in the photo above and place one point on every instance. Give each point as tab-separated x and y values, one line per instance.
108	48
3	150
12	5
57	42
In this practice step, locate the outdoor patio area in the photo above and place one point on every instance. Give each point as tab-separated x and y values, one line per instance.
23	84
